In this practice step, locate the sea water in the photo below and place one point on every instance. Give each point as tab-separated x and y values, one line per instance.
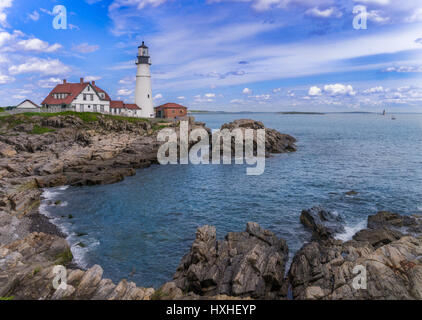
140	228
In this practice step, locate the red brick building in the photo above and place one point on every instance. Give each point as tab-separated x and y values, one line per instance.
171	111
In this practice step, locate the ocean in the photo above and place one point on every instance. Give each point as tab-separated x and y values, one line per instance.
140	228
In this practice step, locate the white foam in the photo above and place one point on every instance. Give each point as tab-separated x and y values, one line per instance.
349	231
79	253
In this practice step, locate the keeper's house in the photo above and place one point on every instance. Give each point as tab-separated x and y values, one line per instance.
80	97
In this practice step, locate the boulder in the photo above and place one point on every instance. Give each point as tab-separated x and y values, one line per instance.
323	224
325	270
244	264
275	142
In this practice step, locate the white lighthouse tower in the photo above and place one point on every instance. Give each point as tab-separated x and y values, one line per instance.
143	92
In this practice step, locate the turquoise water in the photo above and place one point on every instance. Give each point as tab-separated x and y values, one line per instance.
140	228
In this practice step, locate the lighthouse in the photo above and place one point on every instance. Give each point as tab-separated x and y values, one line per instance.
143	92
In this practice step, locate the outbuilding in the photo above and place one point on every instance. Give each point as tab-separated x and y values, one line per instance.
28	105
171	111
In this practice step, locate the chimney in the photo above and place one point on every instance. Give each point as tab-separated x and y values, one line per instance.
64	81
93	83
82	80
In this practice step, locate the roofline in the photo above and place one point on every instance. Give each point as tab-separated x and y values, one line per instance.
30	102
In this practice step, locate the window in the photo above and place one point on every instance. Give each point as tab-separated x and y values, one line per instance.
95	108
173	111
92	97
84	97
148	96
88	88
102	108
82	108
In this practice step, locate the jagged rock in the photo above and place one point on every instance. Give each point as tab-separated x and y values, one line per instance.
275	142
388	220
26	272
351	193
324	224
393	262
249	263
377	238
324	270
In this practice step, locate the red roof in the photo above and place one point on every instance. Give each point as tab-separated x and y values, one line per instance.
132	107
122	105
73	89
171	105
116	104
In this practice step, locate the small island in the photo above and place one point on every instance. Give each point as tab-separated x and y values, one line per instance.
299	112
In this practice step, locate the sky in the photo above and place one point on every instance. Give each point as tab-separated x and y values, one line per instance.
228	55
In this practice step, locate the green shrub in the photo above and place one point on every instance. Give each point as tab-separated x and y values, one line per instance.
6	298
41	130
64	258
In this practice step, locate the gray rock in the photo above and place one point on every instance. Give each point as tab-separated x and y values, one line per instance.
324	224
249	263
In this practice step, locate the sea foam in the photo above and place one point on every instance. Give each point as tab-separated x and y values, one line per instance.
350	231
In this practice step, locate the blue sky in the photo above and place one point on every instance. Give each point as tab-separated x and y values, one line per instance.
232	55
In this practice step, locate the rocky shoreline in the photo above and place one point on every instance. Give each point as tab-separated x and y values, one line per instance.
49	151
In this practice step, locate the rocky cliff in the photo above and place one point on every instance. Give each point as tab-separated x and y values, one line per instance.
49	150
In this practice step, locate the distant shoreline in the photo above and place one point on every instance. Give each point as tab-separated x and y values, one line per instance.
298	112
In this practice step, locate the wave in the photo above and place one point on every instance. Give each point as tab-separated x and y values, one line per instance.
350	231
79	252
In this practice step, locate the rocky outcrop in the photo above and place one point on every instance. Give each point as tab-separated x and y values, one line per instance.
323	224
275	142
324	269
27	272
244	264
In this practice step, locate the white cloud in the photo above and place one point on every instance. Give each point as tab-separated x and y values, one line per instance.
181	98
140	4
247	91
261	97
314	91
376	2
404	69
210	95
124	92
6	79
92	78
158	96
47	11
37	45
339	89
34	16
378	89
4	4
376	16
49	83
37	65
86	48
327	13
416	16
276	90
